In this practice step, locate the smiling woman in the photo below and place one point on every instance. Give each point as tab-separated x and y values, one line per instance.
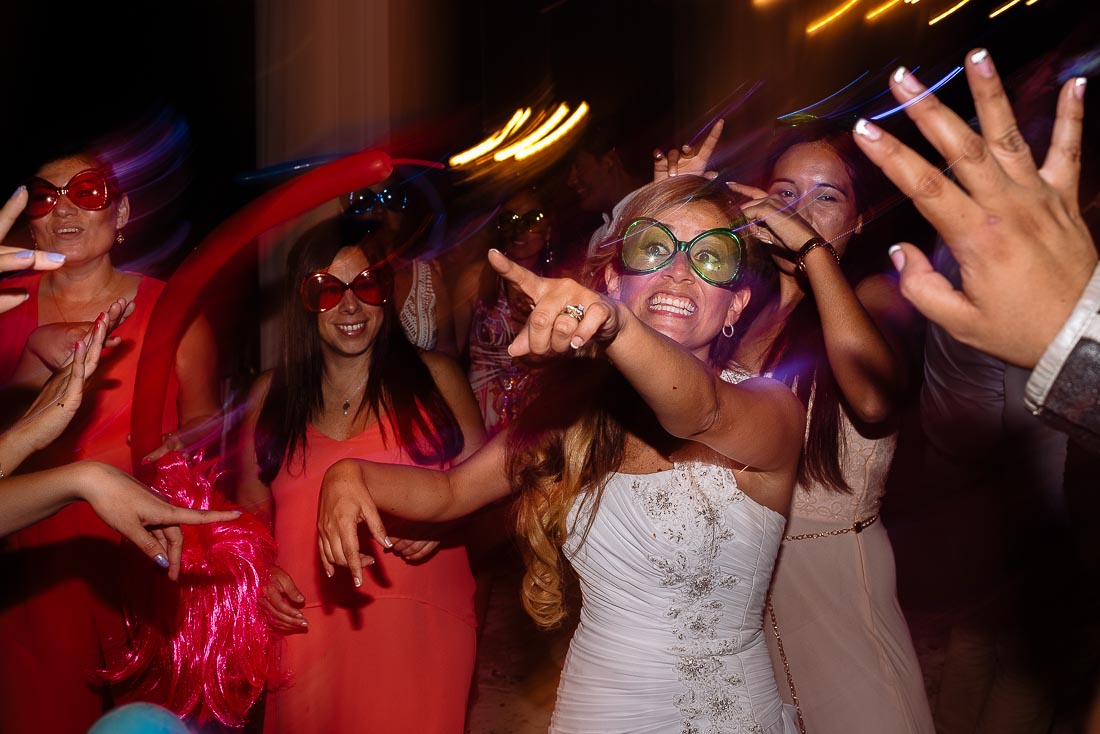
58	629
349	383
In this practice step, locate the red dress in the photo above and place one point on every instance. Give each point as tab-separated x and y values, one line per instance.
59	578
396	655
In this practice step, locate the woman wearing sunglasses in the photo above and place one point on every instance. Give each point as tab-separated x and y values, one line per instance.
489	323
349	383
388	218
61	618
662	480
844	343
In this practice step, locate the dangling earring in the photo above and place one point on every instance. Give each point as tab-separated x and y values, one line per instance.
119	239
727	331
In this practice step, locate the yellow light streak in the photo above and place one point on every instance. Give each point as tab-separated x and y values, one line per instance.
876	12
493	141
1003	8
577	116
818	24
534	137
1031	2
947	12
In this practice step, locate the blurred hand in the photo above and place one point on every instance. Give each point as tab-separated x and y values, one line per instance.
1016	230
688	160
282	603
14	258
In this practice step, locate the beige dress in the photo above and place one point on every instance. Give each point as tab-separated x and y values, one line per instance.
835	599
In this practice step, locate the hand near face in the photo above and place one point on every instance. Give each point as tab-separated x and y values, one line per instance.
1015	230
15	258
566	315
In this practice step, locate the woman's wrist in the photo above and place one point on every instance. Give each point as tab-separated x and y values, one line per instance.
812	244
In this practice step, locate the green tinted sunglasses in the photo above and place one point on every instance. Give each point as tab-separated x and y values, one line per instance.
715	255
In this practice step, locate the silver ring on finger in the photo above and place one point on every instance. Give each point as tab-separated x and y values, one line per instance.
573	311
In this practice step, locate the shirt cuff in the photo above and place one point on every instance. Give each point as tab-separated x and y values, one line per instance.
1068	359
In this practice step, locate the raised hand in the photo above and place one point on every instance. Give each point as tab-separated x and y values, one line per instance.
688	160
1016	230
566	315
15	258
52	344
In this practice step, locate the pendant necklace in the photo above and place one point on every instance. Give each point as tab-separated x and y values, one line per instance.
347	401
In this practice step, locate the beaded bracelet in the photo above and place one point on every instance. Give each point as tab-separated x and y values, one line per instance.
812	243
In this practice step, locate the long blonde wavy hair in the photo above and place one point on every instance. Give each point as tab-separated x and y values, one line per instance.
571	437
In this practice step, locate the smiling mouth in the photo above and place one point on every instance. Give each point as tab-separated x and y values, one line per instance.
676	305
67	230
352	329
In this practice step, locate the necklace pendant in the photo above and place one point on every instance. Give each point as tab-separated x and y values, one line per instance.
347	406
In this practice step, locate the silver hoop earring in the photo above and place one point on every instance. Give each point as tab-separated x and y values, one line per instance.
727	331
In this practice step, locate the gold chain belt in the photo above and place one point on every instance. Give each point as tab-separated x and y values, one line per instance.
857	527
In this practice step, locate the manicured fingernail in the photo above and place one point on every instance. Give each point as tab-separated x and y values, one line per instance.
305	623
299	615
657	155
905	79
686	149
897	257
1079	87
493	249
387	542
867	129
236	512
328	573
576	342
368	562
55	257
24	254
358	582
18	191
161	560
982	63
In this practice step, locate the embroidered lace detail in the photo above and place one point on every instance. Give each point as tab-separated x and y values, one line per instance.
418	310
686	509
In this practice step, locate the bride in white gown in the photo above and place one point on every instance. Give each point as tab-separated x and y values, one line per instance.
663	484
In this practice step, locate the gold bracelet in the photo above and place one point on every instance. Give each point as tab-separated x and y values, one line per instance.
857	527
812	244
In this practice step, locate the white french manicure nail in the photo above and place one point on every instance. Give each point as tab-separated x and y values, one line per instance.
979	56
865	129
899	74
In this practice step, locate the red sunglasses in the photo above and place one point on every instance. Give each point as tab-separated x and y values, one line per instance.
322	291
87	189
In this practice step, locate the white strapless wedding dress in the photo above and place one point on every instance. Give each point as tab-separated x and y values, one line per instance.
674	571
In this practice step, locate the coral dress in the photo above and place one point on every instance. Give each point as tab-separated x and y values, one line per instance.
395	655
674	572
59	578
835	598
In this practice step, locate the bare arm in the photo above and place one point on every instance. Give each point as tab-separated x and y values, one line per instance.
122	502
758	424
355	491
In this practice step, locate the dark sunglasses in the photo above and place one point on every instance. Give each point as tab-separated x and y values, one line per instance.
321	291
87	189
715	255
512	224
365	201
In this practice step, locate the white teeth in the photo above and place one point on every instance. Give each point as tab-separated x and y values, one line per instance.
681	306
68	230
350	329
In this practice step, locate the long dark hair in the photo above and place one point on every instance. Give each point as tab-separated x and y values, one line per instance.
572	437
797	356
398	386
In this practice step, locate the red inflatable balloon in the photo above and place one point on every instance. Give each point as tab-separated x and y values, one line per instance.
178	303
